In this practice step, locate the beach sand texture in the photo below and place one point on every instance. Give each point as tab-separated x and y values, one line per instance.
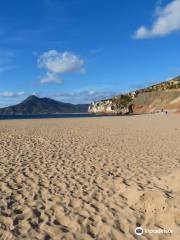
90	178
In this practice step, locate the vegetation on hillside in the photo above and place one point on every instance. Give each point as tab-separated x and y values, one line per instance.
168	85
121	101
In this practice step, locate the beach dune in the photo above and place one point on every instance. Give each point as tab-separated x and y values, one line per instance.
90	178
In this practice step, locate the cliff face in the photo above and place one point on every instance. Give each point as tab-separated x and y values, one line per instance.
117	105
154	101
104	106
164	95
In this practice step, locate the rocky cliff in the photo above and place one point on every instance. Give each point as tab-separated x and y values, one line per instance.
117	105
164	95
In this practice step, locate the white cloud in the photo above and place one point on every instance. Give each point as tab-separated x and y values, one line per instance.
51	77
167	21
11	94
56	63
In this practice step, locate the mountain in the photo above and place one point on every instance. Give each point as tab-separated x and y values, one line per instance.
36	105
164	95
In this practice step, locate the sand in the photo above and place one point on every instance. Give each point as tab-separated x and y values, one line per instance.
90	178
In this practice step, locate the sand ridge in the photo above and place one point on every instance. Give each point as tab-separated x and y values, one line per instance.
93	178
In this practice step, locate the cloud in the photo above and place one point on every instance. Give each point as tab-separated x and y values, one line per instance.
51	77
11	94
83	96
56	63
167	21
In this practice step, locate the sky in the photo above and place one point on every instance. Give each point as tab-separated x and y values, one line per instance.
80	51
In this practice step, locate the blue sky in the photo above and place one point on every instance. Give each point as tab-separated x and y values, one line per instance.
83	50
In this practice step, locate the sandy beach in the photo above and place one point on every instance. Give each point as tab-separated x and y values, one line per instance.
90	178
